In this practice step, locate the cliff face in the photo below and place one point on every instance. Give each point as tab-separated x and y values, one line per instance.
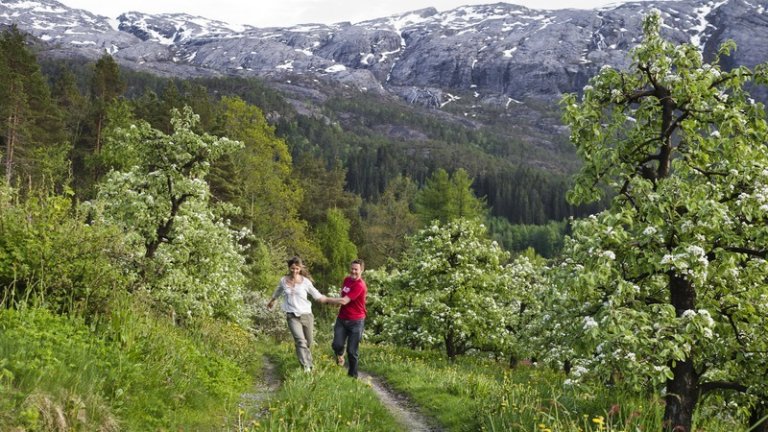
489	51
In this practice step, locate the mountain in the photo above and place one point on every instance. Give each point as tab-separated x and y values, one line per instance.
498	53
498	67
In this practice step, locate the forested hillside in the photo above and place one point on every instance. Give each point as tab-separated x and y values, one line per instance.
358	164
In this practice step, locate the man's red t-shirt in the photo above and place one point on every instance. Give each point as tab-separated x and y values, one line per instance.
356	290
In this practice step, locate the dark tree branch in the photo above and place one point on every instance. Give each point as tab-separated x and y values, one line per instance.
721	385
751	252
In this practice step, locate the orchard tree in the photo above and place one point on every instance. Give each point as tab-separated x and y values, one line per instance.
188	255
452	289
667	287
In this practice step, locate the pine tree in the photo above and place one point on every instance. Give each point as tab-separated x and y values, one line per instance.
35	147
106	86
447	197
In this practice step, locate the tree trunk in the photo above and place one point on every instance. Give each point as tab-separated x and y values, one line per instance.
10	145
682	396
758	421
683	388
450	344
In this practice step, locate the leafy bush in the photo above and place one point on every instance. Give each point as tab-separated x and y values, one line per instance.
50	256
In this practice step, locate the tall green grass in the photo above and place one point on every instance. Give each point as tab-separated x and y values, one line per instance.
133	371
136	371
473	394
325	399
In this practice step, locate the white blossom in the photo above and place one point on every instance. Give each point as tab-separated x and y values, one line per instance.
590	323
689	314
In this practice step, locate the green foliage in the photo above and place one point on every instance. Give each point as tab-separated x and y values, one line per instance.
447	197
388	223
186	254
135	373
56	371
258	178
547	240
452	289
50	256
338	250
666	288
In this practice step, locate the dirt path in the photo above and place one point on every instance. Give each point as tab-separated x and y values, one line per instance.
264	388
404	410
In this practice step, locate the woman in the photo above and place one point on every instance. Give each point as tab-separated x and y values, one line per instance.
298	310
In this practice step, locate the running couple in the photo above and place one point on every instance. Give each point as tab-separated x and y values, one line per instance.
348	328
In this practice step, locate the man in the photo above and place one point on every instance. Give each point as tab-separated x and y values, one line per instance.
348	329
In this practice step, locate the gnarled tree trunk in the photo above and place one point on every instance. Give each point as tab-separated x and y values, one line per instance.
683	388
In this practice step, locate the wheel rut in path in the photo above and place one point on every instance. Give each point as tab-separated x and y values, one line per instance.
264	388
402	408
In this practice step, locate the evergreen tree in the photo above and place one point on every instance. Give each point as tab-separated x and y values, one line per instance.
106	86
70	101
324	190
445	198
389	222
35	145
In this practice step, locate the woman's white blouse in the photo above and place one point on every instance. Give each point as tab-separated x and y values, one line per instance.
295	299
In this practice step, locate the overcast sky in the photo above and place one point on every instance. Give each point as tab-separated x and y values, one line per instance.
266	13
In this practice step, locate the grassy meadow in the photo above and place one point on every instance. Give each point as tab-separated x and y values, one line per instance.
134	371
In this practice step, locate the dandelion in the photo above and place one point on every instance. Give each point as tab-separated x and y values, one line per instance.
599	421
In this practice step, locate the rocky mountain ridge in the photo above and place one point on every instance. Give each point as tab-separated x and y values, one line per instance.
498	53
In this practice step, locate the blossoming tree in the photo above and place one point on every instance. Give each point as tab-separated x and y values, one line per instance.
667	288
455	289
189	257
